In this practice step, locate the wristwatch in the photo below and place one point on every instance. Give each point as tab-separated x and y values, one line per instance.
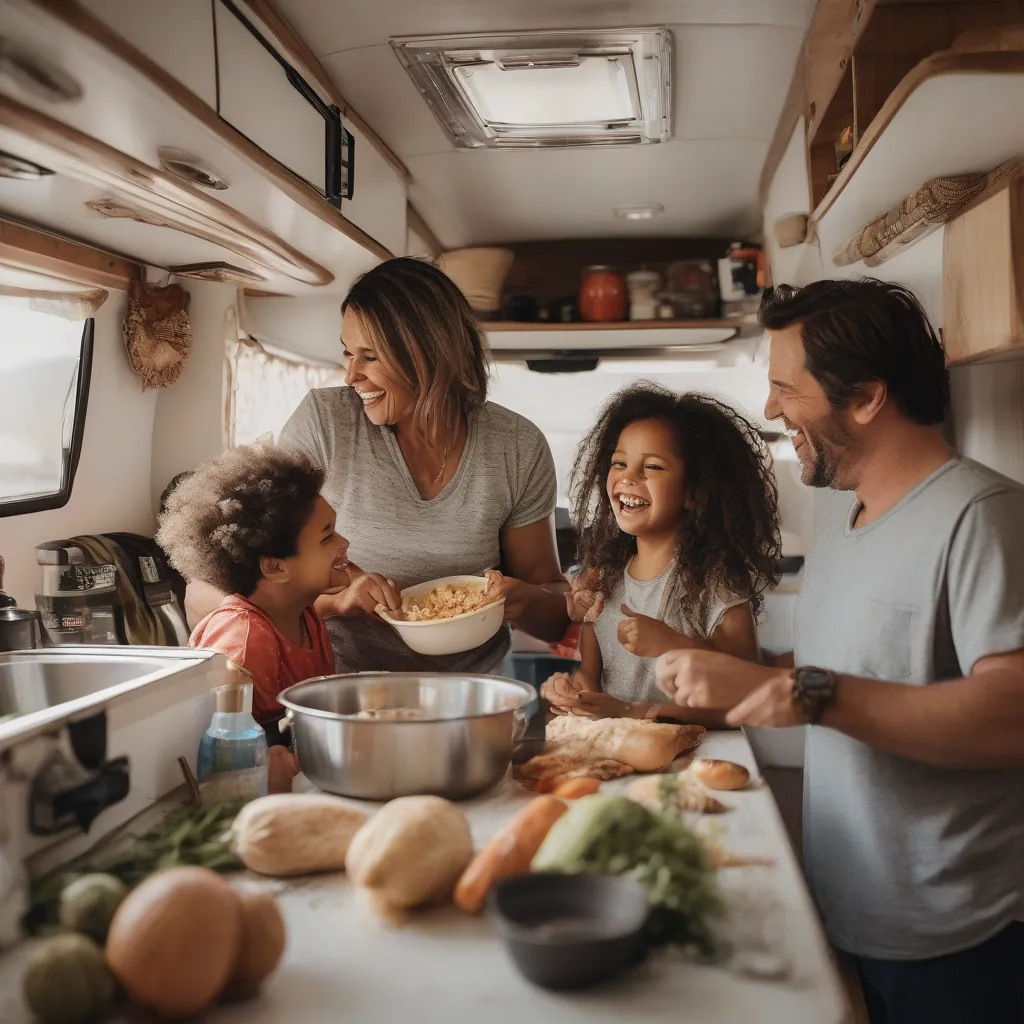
814	689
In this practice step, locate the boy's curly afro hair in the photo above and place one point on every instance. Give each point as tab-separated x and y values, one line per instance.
249	503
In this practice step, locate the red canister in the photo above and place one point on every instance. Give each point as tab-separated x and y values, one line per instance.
602	295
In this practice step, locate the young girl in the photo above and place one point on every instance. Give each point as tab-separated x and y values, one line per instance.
677	513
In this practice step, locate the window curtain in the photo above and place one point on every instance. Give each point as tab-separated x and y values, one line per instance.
265	385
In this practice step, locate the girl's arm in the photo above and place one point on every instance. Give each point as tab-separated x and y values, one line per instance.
647	637
562	691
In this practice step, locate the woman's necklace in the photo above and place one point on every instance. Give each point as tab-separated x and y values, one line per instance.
444	457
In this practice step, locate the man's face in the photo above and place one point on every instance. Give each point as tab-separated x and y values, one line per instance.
822	435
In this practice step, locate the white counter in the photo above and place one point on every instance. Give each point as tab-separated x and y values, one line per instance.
443	967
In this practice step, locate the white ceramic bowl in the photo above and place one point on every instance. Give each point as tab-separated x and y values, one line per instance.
449	636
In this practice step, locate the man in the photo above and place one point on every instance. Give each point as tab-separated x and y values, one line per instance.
909	655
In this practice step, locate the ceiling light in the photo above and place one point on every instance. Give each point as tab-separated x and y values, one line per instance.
647	212
546	89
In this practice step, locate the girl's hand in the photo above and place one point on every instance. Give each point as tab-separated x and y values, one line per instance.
561	691
281	769
365	594
584	604
594	704
647	637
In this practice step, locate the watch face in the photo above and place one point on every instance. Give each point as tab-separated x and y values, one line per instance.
814	679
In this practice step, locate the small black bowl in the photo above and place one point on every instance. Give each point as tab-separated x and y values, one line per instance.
571	931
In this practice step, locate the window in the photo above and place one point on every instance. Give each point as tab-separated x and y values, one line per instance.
45	367
266	386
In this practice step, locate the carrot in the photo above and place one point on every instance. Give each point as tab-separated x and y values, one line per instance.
508	853
573	789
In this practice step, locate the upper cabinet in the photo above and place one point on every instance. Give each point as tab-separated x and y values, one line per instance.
378	204
274	106
179	38
983	279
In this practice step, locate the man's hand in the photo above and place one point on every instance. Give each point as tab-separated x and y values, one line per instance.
647	637
709	679
770	706
365	594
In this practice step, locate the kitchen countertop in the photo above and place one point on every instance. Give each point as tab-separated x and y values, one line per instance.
444	967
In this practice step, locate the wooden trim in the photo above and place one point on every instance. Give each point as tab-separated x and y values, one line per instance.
946	63
46	253
71	13
792	108
307	62
511	327
157	194
416	223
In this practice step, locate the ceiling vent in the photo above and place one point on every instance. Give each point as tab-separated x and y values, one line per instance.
547	89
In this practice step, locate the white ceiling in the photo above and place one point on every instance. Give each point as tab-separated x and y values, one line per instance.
734	60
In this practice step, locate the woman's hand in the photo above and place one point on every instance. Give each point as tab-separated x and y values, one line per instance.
514	592
647	637
365	594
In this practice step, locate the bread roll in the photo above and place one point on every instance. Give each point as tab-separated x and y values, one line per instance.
642	745
720	774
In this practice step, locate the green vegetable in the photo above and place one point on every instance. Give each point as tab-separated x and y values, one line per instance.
87	905
603	834
67	981
196	834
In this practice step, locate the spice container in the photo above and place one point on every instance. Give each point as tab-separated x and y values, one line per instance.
602	295
692	288
644	286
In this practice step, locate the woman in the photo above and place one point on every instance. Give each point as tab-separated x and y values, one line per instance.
427	477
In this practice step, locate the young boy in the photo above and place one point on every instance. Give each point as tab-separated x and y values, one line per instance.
253	525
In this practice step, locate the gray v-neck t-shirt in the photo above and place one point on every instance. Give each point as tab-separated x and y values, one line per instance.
907	861
505	480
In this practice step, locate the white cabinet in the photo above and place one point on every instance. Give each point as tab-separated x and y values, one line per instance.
379	200
258	98
178	37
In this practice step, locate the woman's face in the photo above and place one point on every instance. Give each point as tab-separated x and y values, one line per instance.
385	400
645	481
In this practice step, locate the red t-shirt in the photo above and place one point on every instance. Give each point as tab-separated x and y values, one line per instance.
247	635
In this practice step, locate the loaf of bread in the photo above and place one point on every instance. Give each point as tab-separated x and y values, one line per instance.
720	774
642	745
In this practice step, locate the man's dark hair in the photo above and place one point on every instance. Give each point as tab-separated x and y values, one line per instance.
855	332
250	502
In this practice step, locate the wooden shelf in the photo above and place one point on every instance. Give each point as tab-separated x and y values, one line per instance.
503	327
954	113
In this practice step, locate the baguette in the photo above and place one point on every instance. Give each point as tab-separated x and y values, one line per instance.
508	853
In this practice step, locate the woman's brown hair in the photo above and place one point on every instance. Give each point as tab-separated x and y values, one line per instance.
426	336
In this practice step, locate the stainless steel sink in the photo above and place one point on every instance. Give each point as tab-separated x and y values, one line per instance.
35	682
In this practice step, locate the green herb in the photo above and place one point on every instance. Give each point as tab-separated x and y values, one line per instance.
189	835
614	835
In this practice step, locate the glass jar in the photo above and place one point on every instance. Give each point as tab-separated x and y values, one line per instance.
602	295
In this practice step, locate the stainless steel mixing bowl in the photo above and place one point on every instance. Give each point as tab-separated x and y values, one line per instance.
462	746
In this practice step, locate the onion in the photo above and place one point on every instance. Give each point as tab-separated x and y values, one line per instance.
174	940
261	946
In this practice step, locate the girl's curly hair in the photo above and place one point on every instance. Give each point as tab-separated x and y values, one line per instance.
251	502
729	529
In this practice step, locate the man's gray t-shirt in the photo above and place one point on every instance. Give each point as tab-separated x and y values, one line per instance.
908	861
505	480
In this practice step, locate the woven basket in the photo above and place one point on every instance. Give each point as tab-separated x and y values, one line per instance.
479	273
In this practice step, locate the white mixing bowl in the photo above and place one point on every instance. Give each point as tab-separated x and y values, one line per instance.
449	636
